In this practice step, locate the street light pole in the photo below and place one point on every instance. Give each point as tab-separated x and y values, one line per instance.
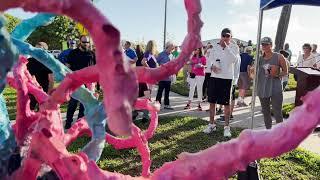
165	24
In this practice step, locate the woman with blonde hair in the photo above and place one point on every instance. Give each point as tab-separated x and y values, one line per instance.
149	59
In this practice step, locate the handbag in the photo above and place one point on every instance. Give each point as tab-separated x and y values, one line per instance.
251	173
192	75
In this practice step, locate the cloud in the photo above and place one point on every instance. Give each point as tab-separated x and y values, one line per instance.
300	33
245	27
231	12
239	2
177	1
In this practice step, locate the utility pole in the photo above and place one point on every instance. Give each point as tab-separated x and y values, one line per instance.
165	25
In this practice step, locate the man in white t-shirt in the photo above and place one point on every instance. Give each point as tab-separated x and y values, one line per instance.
235	80
222	59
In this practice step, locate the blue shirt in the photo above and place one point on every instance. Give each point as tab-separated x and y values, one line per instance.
163	58
63	55
130	53
246	60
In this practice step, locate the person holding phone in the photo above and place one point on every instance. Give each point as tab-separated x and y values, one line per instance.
222	59
269	87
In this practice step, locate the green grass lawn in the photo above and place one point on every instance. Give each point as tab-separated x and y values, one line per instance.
286	109
184	134
297	164
292	84
10	95
180	87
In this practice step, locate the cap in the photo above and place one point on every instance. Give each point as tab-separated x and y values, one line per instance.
226	31
266	40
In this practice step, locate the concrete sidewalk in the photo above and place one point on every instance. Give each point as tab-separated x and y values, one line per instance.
242	115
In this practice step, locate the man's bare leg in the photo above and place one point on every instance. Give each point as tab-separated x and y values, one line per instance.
212	113
227	111
232	106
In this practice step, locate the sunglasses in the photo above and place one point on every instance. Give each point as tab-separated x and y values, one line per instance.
226	35
265	44
85	42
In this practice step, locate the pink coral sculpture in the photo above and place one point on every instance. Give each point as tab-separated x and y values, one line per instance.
45	141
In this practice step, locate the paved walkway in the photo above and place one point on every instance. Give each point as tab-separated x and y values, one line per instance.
242	116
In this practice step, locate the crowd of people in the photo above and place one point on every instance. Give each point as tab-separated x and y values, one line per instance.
214	71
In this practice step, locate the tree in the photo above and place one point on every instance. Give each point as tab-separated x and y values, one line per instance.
60	30
11	22
282	27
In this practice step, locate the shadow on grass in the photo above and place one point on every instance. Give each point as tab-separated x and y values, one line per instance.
174	136
184	134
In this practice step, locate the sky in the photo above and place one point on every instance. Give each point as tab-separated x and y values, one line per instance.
143	20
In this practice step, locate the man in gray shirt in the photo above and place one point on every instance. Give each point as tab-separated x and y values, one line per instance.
165	84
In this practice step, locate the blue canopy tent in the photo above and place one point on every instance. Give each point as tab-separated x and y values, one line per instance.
269	4
265	5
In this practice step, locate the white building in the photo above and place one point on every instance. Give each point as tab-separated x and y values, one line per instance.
234	40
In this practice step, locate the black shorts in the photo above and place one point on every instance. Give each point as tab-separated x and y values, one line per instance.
219	91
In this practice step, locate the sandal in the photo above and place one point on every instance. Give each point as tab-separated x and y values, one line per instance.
187	106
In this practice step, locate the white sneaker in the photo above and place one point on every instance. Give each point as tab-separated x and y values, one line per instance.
227	131
210	128
168	107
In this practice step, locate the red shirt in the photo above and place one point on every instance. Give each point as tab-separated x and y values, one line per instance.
198	71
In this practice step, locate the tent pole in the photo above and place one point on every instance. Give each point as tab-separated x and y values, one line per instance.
255	80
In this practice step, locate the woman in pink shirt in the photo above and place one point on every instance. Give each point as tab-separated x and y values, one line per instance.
196	76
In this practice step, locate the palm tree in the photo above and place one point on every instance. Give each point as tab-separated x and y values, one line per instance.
283	25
